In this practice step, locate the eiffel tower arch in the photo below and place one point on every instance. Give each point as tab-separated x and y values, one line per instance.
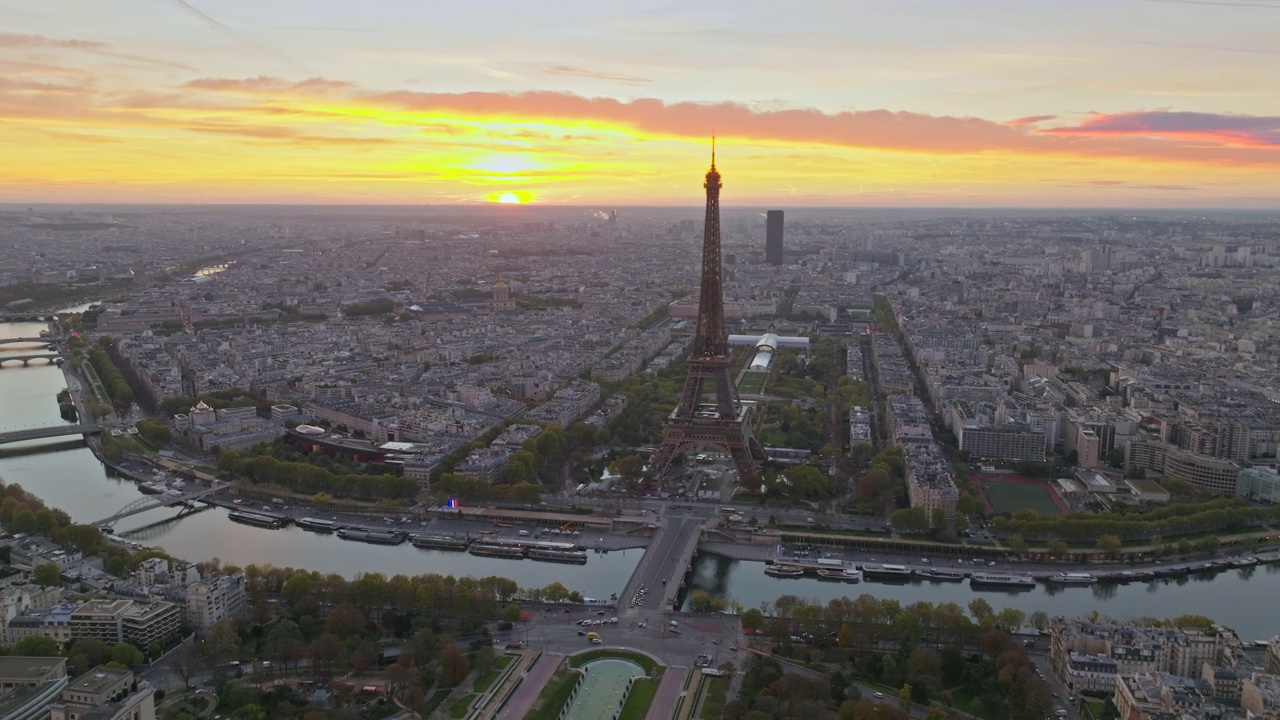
710	413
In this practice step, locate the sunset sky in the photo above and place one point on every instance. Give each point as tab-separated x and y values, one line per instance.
1161	103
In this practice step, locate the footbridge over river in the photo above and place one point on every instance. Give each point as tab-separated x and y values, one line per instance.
151	502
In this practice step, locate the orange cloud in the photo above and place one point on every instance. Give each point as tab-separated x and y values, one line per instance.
870	129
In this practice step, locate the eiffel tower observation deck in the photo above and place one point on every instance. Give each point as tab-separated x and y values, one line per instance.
709	414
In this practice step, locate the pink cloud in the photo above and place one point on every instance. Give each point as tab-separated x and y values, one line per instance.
1239	130
1029	120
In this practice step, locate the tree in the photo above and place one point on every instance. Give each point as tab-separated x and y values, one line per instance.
702	601
910	519
1010	619
483	660
980	609
1016	543
37	646
325	651
453	665
904	697
1111	545
938	518
222	644
249	712
48	575
752	621
155	433
1056	548
1040	620
511	613
126	654
184	671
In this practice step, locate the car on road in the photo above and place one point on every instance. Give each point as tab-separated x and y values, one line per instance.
879	696
582	632
597	641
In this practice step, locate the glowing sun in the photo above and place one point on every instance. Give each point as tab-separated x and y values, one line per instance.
510	198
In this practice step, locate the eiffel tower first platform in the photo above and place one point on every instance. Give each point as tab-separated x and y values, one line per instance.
709	413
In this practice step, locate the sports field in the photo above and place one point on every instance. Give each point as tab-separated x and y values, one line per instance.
1011	493
752	383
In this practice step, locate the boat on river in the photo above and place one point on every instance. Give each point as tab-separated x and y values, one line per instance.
783	571
440	542
943	575
851	575
378	537
317	524
899	573
574	557
1072	578
503	551
1004	581
258	519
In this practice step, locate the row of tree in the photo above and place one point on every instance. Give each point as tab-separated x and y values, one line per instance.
1220	515
308	479
113	380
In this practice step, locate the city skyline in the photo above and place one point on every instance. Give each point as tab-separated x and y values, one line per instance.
1149	103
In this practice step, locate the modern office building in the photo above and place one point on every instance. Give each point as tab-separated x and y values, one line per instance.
773	237
28	685
105	693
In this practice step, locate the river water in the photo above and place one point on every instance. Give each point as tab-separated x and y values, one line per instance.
1242	599
66	475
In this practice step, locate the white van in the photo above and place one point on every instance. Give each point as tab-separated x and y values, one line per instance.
524	533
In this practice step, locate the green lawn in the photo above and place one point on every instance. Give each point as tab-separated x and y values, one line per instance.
553	697
484	681
752	383
714	698
641	697
1009	497
461	706
436	698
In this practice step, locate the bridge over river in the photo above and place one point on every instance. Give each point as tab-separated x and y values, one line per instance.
151	502
55	431
52	357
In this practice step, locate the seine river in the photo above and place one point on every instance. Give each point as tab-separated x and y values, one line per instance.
65	474
1242	599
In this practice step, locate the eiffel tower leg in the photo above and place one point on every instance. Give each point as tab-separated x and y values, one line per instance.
661	459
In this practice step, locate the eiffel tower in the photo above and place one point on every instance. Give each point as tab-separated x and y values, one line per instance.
709	413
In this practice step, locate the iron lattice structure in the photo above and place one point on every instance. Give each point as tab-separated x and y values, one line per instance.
709	413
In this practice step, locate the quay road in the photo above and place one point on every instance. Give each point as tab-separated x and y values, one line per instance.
710	509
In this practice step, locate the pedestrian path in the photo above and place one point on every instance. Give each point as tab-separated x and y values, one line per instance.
530	685
667	696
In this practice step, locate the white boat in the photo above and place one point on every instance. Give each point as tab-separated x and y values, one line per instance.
886	572
1072	578
1011	581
